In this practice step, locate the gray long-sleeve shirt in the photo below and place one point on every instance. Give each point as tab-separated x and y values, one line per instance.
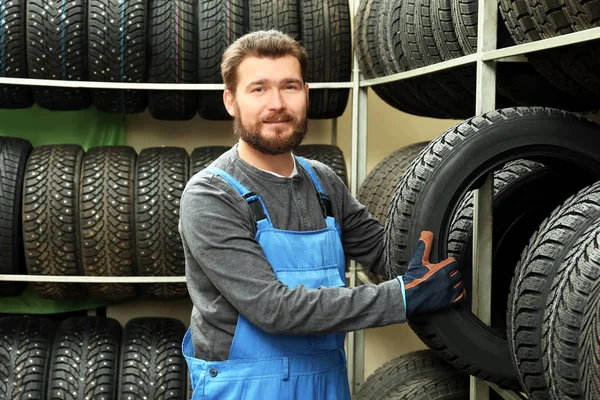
227	272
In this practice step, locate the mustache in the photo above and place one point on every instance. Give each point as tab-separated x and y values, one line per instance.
279	117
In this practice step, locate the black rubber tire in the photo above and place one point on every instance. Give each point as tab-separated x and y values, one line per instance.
14	153
117	53
530	286
443	27
589	376
275	14
84	359
161	174
425	88
151	364
429	193
202	157
13	58
220	22
575	284
402	370
50	218
572	69
378	187
25	346
106	210
173	38
443	387
518	82
327	37
330	155
57	49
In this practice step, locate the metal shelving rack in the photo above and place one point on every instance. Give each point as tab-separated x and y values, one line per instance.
485	59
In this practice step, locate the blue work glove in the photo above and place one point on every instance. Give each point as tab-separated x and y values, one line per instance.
430	287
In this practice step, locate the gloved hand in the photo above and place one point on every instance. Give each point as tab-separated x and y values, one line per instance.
430	287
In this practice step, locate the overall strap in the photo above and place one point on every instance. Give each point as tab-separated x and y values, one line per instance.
323	198
254	201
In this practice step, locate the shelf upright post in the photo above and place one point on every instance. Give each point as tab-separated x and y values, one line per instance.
483	198
358	172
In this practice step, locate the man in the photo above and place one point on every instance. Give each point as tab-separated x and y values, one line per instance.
265	237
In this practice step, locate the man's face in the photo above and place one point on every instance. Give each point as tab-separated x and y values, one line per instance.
270	104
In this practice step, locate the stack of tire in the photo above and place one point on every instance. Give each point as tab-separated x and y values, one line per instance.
393	36
92	358
545	294
105	212
159	41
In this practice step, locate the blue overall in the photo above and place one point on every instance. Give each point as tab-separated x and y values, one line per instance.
268	366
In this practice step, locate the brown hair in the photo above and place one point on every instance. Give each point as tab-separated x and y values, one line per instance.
263	44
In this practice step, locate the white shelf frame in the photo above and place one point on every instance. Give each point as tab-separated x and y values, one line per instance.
485	59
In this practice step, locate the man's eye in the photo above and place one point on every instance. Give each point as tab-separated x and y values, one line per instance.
258	89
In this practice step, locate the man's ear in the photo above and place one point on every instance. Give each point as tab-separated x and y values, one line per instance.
306	89
228	101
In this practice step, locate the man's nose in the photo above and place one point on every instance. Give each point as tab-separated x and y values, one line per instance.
276	101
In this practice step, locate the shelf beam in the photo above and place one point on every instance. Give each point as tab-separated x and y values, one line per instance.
92	279
148	86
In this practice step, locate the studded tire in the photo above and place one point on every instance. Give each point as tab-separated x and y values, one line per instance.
428	195
117	53
330	155
161	175
84	363
57	49
25	346
151	364
14	153
220	23
106	209
378	187
327	37
50	218
202	157
13	57
173	37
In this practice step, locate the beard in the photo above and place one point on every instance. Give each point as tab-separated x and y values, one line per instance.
279	143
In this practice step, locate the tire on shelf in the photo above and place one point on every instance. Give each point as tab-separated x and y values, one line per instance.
173	58
51	218
25	347
327	37
443	387
57	50
161	175
572	69
106	210
429	193
202	157
13	57
220	23
14	153
589	376
117	53
330	155
534	185
151	364
403	370
378	187
84	359
275	14
546	251
519	82
575	284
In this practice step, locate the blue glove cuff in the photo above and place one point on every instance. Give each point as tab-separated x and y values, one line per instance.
403	291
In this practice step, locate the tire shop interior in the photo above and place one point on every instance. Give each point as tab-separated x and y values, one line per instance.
476	120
